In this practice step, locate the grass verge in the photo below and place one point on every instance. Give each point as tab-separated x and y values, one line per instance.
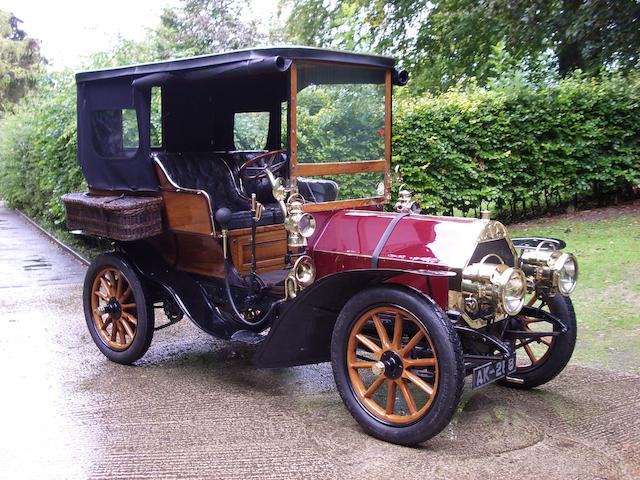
607	300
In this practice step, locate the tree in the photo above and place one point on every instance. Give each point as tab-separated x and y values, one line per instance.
446	41
374	25
20	61
200	27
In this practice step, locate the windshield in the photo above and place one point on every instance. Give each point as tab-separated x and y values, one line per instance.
340	116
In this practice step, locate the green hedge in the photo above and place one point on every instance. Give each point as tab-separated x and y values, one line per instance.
520	149
38	150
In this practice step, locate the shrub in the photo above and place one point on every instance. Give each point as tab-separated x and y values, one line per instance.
38	150
518	147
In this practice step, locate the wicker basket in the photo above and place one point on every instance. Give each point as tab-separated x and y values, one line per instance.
116	217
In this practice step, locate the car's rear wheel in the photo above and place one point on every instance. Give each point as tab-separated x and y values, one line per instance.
541	359
398	364
118	313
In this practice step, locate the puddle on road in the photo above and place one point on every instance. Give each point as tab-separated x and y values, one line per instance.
4	225
36	263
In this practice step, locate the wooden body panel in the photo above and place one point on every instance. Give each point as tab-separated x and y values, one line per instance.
271	248
187	212
199	254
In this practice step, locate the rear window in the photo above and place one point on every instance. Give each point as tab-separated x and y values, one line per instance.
250	130
115	132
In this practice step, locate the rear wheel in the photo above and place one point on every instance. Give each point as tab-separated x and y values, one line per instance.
541	359
118	313
397	362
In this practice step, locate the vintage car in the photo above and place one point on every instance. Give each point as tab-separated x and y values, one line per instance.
250	191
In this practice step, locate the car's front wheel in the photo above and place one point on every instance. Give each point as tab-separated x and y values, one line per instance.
540	359
398	364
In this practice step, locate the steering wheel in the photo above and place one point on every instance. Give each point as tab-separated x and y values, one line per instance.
250	171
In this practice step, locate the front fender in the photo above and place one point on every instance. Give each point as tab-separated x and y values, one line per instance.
302	332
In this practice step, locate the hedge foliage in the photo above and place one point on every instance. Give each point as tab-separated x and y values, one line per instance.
519	148
38	150
514	147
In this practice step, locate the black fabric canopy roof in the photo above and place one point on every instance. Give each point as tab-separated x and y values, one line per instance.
199	98
249	56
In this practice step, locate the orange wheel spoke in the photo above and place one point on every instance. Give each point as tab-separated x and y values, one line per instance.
530	354
418	382
122	333
374	386
119	284
128	329
106	285
419	362
412	343
370	344
130	318
125	295
362	364
533	300
546	341
382	332
112	282
391	397
114	331
397	333
126	306
106	323
101	295
408	397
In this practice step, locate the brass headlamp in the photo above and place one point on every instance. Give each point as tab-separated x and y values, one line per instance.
497	285
299	225
552	269
301	276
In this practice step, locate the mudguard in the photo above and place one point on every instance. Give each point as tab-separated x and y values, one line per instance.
184	289
301	334
534	242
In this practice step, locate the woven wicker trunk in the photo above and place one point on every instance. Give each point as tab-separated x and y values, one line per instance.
116	217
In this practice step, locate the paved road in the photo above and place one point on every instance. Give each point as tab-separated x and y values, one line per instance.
196	408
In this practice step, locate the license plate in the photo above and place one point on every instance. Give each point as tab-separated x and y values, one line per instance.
492	371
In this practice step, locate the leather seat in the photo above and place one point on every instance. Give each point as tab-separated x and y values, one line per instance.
217	174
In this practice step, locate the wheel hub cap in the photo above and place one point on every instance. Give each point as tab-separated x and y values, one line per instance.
392	365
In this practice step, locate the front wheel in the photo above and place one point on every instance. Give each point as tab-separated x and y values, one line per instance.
118	312
398	364
541	359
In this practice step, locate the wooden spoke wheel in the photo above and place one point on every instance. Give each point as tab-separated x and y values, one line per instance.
397	362
392	364
114	308
541	358
118	313
532	352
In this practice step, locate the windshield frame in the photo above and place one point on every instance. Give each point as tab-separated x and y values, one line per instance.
333	168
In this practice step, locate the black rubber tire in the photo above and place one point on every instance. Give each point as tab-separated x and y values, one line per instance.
561	349
144	310
450	363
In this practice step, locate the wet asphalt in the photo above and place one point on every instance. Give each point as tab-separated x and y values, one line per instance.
195	407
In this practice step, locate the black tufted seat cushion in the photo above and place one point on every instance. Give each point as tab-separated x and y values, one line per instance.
217	174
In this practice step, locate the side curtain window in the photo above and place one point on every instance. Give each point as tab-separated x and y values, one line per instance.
250	130
115	133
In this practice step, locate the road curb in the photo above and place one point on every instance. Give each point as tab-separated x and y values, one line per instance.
55	240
